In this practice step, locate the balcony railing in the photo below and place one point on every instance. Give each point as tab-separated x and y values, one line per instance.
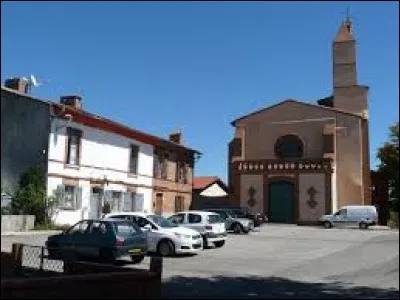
277	165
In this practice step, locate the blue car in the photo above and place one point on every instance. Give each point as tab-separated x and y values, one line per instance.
104	240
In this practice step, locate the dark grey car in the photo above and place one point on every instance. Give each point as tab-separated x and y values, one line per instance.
104	240
233	223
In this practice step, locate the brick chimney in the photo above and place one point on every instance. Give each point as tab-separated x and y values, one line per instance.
73	101
176	137
18	84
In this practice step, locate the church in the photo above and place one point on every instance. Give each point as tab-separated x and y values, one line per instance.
296	161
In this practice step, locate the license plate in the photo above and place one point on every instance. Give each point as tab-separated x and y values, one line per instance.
134	250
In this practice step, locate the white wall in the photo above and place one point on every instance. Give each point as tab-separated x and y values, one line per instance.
103	155
213	191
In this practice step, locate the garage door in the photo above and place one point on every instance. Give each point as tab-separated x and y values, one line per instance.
281	201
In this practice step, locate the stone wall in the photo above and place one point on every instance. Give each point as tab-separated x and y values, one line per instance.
14	223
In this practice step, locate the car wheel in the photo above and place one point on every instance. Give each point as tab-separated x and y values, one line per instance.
363	226
219	244
165	248
136	259
237	228
107	255
327	224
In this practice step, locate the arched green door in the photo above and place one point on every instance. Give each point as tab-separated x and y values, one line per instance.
281	202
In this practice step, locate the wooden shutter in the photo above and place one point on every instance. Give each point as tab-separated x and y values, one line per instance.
127	202
78	197
139	202
60	194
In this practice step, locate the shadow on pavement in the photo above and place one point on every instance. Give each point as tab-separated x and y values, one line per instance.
266	288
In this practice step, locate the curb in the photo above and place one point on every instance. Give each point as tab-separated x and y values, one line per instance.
379	227
33	232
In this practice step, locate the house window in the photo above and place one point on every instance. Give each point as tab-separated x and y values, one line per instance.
133	159
289	146
113	201
69	197
161	165
181	172
179	204
73	145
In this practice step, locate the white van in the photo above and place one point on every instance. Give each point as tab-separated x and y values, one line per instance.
352	215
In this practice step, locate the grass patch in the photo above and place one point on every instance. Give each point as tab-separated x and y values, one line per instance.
50	227
393	220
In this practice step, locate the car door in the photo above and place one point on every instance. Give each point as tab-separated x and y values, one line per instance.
340	218
78	236
194	221
153	235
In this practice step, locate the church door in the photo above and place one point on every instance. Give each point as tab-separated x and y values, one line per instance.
281	202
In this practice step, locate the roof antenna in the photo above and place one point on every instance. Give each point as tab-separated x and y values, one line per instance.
348	20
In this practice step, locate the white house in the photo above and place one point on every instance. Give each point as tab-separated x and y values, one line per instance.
91	168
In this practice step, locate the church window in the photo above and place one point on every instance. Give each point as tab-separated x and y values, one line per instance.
289	146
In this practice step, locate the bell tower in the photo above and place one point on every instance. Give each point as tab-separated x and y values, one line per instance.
348	95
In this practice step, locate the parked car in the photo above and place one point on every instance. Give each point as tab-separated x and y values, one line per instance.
244	212
163	236
232	223
104	240
351	215
210	225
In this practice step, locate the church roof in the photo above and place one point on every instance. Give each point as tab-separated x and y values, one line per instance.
298	102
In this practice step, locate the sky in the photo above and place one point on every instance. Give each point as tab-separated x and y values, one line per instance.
196	66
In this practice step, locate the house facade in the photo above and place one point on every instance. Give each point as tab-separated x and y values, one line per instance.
25	127
297	161
95	166
209	192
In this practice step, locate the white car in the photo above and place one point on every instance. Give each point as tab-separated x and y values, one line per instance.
163	237
209	224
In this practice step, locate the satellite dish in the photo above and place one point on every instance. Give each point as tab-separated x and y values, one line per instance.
33	81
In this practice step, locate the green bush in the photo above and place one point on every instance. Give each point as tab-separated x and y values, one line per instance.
30	197
393	220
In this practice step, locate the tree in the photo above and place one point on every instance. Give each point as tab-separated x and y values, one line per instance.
388	154
30	197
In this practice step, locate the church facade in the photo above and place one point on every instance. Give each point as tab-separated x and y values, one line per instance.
296	161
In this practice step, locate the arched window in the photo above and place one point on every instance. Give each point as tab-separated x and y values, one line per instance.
289	146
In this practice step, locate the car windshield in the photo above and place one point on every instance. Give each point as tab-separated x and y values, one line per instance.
162	222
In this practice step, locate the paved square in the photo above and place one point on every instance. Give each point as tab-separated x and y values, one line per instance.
284	261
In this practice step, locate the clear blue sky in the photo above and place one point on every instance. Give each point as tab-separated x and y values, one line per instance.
159	66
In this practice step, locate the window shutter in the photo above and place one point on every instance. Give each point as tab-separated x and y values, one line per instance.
108	201
78	197
139	201
127	202
60	194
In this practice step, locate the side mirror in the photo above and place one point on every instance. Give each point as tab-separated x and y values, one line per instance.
147	227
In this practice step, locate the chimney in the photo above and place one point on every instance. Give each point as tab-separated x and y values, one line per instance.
176	137
18	84
73	101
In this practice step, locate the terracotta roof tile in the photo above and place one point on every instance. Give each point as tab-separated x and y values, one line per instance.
204	181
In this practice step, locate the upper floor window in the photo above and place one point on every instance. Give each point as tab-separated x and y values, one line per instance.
181	172
161	165
134	159
73	145
289	146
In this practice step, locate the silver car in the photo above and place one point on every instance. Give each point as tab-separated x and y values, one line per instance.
232	223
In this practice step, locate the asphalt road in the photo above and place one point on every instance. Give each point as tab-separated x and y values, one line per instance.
283	261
